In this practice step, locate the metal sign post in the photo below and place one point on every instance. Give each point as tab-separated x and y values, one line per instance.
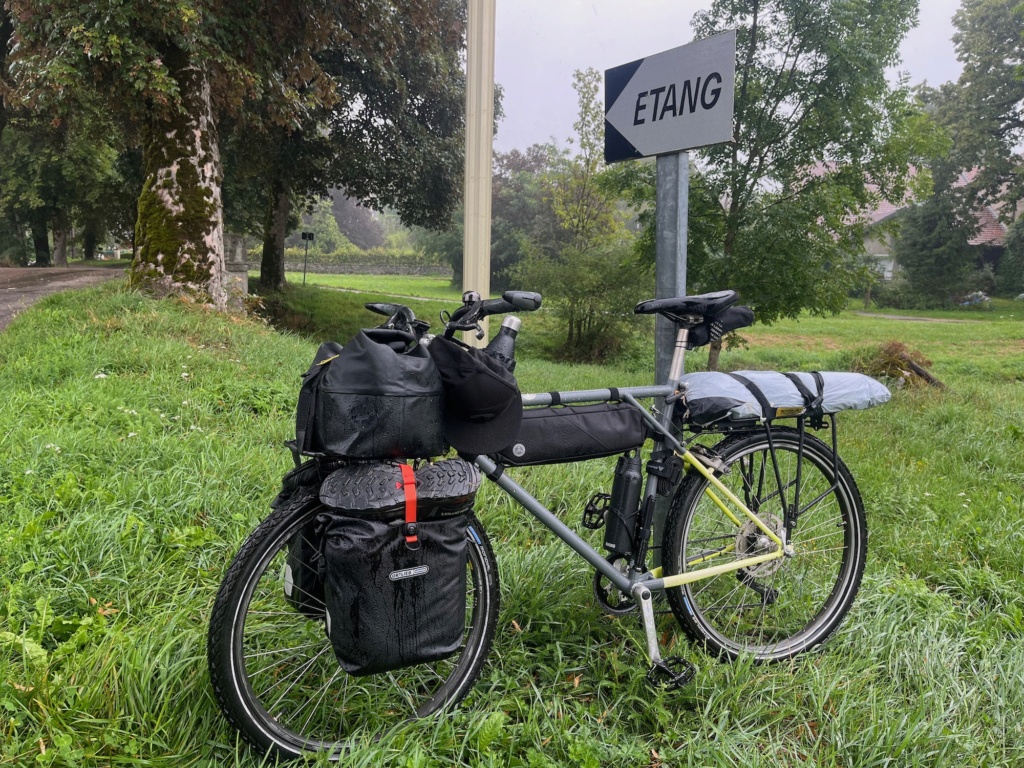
661	106
307	238
476	258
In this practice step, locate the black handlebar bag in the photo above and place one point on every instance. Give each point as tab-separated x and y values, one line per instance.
379	397
395	589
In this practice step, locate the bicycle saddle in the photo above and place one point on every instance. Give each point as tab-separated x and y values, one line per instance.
705	304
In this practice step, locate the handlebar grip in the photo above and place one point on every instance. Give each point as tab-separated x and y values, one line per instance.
527	301
384	309
496	307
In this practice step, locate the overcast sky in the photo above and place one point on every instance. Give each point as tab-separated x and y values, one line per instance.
541	42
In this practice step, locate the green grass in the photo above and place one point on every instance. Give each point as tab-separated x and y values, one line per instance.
141	442
398	285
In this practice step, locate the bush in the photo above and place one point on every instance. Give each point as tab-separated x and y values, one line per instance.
593	294
895	294
1010	278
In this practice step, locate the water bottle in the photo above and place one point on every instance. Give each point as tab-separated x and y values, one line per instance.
503	346
620	523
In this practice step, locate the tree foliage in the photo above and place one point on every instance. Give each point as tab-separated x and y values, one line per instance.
984	109
356	222
585	268
819	135
522	217
933	251
1011	266
303	95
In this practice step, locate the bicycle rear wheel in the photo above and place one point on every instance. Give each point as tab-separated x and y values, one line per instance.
783	607
273	669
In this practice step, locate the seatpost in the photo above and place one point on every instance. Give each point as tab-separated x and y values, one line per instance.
678	354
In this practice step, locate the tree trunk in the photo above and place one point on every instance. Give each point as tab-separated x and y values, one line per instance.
275	228
41	237
89	242
6	33
180	229
60	243
714	352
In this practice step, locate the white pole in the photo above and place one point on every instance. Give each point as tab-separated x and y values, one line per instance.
476	246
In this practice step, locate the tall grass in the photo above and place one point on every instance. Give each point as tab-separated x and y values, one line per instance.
141	442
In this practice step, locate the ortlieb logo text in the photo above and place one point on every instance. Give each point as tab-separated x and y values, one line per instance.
409	573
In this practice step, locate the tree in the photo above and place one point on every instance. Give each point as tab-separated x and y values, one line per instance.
585	268
984	109
1011	266
819	133
933	250
167	64
6	33
356	222
584	209
522	218
56	171
390	134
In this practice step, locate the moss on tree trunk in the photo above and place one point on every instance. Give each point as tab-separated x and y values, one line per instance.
180	231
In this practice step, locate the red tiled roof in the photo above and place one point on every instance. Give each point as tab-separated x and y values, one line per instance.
991	231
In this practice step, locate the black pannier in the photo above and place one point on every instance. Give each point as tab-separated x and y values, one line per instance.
379	397
575	433
393	562
390	605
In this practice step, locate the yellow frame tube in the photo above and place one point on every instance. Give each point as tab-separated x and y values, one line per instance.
694	462
717	570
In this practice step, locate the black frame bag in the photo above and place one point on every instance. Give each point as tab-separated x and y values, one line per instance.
564	433
395	590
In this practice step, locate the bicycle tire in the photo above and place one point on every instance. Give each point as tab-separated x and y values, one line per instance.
783	607
322	709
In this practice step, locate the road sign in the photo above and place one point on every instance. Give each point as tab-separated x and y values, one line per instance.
672	101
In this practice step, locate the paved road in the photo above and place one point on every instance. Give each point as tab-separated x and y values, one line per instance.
20	287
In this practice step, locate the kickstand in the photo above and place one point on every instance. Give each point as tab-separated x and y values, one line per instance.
671	673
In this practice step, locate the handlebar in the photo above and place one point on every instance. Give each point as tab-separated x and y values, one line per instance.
465	318
474	309
400	317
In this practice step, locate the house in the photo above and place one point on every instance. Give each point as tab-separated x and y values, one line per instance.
990	238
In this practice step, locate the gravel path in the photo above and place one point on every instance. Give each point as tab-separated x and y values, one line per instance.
20	287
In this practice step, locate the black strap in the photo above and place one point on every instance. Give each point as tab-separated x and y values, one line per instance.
615	393
766	407
812	402
556	398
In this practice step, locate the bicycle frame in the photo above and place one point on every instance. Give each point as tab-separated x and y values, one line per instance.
669	393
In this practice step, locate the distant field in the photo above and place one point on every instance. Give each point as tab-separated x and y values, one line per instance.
399	285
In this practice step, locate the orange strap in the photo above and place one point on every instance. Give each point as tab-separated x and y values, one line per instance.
409	484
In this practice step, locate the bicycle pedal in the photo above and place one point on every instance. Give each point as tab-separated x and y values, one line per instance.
671	673
594	513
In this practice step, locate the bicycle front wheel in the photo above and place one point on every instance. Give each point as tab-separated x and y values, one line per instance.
781	607
273	668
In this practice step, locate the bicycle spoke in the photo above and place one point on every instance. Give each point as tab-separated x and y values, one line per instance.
777	607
